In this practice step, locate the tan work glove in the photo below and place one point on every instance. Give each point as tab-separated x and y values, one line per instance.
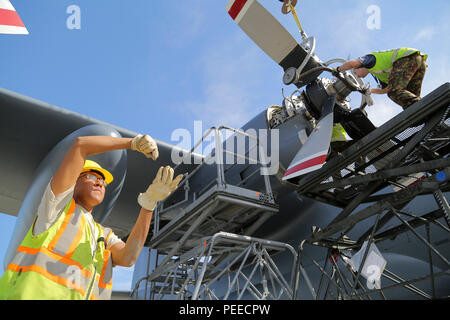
161	188
146	145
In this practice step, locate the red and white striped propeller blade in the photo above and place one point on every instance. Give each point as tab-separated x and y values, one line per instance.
10	22
312	155
265	31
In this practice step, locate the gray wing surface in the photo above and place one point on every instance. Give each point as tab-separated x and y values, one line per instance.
29	129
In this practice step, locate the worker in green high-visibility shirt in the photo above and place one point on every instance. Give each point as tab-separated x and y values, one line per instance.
399	72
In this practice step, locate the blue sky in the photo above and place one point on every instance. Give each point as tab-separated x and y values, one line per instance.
156	66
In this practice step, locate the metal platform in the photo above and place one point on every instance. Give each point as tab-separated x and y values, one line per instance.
372	180
222	208
244	266
221	214
404	145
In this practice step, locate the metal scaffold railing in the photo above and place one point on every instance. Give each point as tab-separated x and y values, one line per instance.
227	266
204	231
374	181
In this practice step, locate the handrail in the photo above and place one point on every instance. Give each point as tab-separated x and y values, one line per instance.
218	154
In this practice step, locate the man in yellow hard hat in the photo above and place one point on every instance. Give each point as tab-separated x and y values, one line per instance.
399	72
66	254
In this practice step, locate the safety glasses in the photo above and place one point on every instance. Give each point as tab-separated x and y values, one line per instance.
94	178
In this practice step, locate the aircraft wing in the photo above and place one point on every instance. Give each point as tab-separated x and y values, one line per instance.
29	129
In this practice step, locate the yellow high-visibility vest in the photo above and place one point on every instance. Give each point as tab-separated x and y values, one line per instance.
60	263
385	60
338	133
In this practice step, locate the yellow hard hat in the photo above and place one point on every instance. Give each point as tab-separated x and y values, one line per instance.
90	165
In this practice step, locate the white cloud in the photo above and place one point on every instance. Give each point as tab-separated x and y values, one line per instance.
351	33
425	34
229	70
383	110
437	73
223	103
188	20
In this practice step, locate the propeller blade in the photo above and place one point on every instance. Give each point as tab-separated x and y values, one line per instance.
10	22
265	31
313	153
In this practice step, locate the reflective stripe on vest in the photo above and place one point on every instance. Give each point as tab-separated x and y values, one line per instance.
69	235
88	277
385	60
104	282
52	267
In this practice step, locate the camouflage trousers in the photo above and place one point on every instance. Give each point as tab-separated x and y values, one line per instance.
405	80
